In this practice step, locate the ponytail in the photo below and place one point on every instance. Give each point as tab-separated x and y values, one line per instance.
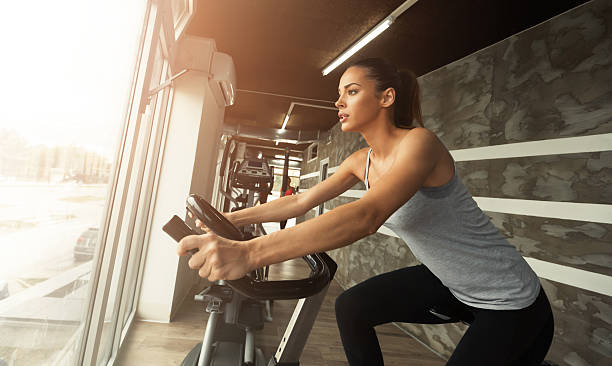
407	105
407	101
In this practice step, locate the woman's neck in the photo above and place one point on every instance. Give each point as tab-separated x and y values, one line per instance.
382	137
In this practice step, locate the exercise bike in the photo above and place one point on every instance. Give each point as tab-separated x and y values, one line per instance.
231	342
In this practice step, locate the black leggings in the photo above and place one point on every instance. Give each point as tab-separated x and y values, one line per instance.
495	337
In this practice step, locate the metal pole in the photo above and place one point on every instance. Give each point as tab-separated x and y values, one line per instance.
249	347
206	350
285	182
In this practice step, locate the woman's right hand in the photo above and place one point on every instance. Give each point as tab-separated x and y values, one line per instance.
200	225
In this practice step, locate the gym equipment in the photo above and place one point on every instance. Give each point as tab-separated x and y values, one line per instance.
231	342
244	180
247	182
254	176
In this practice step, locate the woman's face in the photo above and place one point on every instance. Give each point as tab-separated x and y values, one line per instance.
358	102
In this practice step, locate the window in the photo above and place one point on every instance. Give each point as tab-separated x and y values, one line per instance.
59	155
313	152
125	228
182	10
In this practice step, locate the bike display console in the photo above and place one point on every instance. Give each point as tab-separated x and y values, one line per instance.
253	174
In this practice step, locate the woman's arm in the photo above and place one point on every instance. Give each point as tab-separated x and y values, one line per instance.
219	258
417	156
277	210
287	207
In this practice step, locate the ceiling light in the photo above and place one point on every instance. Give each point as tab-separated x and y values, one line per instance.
281	156
358	45
305	105
373	33
285	121
286	141
291	157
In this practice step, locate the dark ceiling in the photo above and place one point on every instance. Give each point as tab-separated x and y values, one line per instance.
279	47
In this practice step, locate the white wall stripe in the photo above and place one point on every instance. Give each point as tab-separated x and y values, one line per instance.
572	276
386	231
591	212
332	170
309	175
353	193
568	145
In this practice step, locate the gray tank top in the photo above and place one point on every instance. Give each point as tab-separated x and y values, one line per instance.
446	231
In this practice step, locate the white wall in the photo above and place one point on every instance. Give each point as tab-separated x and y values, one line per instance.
187	167
202	182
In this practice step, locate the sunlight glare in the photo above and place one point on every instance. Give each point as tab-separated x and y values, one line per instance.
67	69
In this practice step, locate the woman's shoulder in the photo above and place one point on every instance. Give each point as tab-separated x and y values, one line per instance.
420	136
421	144
425	146
356	161
420	133
358	155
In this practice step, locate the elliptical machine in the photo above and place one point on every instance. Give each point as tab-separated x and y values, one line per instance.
232	342
255	178
245	177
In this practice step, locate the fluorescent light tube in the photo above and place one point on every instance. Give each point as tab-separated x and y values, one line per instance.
378	29
373	33
279	156
285	122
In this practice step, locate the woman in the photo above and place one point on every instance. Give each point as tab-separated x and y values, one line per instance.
469	272
290	190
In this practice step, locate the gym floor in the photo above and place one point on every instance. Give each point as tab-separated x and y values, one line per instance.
167	344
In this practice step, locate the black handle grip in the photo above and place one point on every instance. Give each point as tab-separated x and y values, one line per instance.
178	229
323	270
214	220
322	266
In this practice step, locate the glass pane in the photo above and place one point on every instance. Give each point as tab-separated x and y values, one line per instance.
179	8
63	104
129	228
158	64
145	200
125	239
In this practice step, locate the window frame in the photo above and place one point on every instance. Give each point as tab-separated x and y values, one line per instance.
313	147
128	208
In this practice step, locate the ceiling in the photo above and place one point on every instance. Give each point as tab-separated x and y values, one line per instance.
279	47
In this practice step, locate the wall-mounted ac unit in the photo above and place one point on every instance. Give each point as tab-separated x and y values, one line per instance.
223	79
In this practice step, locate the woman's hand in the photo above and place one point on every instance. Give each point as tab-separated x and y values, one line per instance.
200	225
217	258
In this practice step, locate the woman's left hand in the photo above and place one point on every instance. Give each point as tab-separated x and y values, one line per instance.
217	258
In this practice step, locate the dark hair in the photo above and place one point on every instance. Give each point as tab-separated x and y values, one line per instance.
407	106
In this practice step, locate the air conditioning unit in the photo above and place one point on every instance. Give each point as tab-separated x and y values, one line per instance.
223	79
